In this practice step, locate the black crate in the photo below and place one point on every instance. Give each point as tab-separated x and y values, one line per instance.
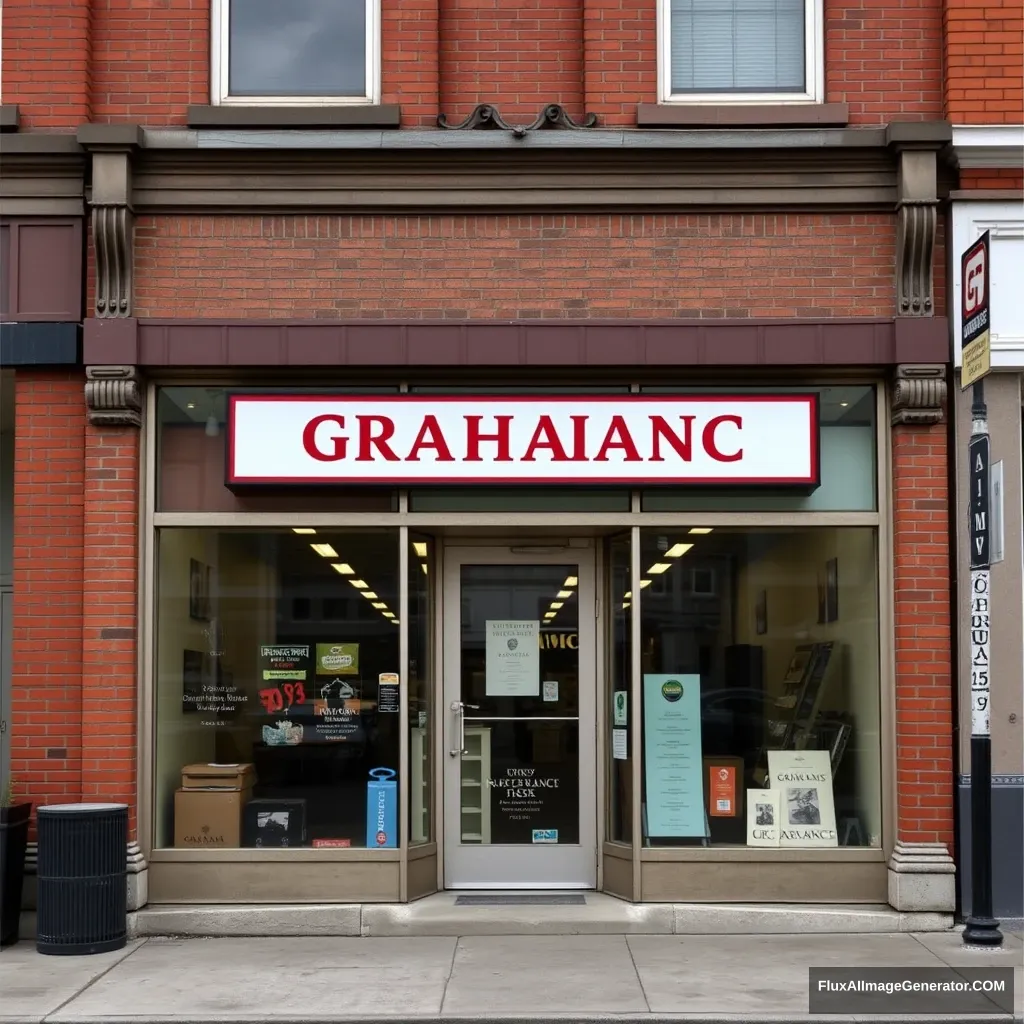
274	823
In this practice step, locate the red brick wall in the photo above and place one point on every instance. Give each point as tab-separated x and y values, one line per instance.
150	60
984	63
993	178
410	73
574	265
924	696
109	659
517	54
45	60
884	60
46	698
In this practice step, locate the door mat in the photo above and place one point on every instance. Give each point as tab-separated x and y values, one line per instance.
539	900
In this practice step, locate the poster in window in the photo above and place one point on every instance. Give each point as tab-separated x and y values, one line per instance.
762	817
339	659
807	808
512	657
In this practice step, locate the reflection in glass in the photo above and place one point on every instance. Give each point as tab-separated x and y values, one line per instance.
268	656
298	48
781	628
421	674
620	603
520	762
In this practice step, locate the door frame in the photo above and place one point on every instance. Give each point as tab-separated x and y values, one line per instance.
578	869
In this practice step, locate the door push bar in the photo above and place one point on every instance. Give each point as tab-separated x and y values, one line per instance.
459	708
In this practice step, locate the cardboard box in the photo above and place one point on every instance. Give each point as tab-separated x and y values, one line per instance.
209	818
218	776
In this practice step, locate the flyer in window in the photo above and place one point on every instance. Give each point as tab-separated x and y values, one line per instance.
337	659
762	817
284	662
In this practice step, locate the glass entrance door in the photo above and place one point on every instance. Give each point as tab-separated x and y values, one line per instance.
520	764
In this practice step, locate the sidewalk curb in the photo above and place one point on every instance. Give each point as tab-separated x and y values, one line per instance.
557	1018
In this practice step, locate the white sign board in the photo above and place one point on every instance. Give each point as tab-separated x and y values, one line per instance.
806	806
610	439
512	660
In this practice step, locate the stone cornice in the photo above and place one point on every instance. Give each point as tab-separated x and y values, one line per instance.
988	146
42	174
181	170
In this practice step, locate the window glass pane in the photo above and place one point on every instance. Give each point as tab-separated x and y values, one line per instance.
737	45
192	455
759	647
298	48
518	499
621	729
848	439
421	675
274	663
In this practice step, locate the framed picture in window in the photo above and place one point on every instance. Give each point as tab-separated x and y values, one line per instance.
198	591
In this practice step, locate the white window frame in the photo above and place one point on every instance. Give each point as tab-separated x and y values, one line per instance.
219	79
814	65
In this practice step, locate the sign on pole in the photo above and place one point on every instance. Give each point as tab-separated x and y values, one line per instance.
975	345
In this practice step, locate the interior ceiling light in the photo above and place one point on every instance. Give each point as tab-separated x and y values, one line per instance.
423	566
394	622
379	605
844	404
303	529
343	567
627	595
644	583
564	594
359	584
625	604
701	529
325	550
570	581
388	615
659	567
556	604
369	595
549	615
420	547
677	549
190	405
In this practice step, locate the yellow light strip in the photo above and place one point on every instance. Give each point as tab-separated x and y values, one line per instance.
659	567
677	550
343	567
303	529
701	529
324	550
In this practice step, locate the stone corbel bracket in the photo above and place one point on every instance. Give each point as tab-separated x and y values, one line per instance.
113	396
113	216
919	394
917	147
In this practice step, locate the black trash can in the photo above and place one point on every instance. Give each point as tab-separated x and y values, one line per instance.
82	895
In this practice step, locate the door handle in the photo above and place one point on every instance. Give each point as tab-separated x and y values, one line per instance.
459	708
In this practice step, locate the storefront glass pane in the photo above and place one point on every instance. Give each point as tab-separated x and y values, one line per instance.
421	687
760	675
848	439
277	688
191	460
620	728
518	499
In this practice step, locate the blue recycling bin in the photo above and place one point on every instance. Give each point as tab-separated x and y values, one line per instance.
382	809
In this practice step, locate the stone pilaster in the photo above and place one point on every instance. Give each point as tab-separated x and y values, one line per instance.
922	878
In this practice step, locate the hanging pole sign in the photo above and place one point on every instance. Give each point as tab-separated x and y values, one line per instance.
975	341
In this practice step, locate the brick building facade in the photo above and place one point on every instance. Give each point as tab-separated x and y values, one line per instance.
484	199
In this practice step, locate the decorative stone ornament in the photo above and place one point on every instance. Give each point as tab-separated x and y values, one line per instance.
486	116
112	396
916	218
918	394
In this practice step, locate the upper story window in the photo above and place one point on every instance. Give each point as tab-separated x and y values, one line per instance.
298	52
741	51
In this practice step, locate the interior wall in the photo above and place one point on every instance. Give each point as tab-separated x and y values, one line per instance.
789	574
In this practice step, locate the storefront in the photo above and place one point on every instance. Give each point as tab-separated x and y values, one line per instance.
632	633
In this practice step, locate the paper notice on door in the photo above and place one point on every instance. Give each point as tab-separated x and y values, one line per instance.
513	657
550	690
619	746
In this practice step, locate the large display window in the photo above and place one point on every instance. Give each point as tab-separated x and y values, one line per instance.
278	689
760	687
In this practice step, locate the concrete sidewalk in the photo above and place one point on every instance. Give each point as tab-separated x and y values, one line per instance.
486	977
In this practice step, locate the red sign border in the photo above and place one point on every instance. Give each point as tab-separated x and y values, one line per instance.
810	398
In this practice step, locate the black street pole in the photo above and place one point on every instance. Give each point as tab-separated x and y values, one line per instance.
981	928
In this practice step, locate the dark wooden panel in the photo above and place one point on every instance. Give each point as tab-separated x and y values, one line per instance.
42	267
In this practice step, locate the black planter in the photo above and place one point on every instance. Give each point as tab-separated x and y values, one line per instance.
13	840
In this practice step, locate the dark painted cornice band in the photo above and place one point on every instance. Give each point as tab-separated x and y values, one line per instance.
584	345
